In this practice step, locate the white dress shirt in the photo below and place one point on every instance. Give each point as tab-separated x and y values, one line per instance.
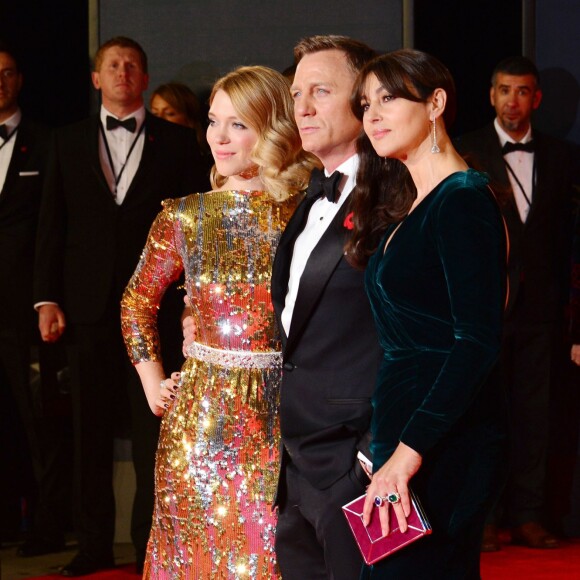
321	214
522	164
120	141
8	148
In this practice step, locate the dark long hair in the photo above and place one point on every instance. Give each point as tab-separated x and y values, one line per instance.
385	191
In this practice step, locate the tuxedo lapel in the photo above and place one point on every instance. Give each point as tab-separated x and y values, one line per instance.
543	171
495	165
319	268
92	145
20	155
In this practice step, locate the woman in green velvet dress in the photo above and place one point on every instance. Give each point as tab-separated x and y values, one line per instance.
430	234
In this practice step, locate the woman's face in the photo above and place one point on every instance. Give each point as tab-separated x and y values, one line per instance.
161	108
230	139
396	127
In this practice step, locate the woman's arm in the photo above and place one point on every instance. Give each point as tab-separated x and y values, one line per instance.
159	266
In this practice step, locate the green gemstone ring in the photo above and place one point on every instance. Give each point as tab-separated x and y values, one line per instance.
393	497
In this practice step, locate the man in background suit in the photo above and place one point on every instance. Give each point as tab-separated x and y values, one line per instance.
23	155
106	178
531	176
330	347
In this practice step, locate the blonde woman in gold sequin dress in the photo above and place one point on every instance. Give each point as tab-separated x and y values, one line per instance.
217	459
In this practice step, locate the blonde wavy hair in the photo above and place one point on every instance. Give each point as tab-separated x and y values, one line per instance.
261	97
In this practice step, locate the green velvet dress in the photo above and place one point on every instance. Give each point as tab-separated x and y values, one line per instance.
437	294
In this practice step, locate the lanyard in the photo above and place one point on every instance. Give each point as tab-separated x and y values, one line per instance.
9	137
110	158
528	199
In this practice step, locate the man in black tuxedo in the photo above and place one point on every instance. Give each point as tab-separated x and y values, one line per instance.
330	347
531	176
23	154
106	178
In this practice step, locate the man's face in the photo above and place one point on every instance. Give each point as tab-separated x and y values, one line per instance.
10	84
514	97
321	91
121	79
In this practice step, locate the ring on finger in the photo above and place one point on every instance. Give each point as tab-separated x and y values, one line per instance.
393	497
379	501
162	384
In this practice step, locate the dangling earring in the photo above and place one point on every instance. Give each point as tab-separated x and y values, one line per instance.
434	146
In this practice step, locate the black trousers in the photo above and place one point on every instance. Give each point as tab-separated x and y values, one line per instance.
524	371
313	539
36	436
102	381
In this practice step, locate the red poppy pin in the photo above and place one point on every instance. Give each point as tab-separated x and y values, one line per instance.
348	223
23	149
151	139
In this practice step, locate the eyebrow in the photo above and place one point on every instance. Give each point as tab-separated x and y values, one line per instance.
504	86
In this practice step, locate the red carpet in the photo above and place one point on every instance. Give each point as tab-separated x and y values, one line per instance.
518	563
121	573
511	563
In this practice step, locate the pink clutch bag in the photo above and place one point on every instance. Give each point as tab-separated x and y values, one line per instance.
373	545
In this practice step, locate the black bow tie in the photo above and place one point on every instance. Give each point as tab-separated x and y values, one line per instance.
4	132
322	186
508	147
130	124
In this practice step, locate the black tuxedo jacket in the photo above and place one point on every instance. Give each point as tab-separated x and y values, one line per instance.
88	246
331	355
538	246
19	206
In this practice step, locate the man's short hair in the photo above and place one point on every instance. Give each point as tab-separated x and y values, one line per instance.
517	66
11	51
357	53
122	42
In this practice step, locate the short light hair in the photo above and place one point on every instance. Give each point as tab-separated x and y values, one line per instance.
357	53
261	98
122	42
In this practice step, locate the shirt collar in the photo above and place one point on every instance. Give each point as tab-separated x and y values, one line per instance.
504	137
139	115
13	121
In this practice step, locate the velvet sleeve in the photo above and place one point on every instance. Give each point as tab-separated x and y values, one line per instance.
160	265
470	239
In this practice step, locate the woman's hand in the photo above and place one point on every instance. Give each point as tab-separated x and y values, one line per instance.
167	394
391	484
160	392
575	354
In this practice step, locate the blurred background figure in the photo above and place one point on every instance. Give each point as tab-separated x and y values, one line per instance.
531	173
34	413
177	103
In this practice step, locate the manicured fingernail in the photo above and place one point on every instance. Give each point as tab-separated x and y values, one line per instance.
172	396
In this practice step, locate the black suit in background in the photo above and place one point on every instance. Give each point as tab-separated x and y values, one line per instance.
536	262
45	432
331	359
88	247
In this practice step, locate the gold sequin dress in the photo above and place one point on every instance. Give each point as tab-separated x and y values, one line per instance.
217	459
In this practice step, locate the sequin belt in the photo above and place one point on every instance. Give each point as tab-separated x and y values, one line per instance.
234	358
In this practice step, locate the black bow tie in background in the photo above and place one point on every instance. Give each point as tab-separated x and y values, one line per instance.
129	124
508	147
322	186
4	132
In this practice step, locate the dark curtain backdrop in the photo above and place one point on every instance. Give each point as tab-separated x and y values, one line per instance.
195	41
